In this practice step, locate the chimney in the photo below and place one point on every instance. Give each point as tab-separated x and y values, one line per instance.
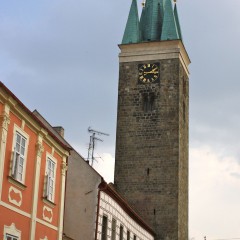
59	130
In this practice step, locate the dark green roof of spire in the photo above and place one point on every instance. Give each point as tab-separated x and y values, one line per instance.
151	21
158	22
132	31
177	22
169	28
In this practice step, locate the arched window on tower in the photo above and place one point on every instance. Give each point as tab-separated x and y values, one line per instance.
148	102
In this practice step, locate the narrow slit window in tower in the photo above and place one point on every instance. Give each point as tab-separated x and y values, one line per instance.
148	102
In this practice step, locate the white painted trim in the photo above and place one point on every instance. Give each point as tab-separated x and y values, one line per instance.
12	230
28	215
32	124
26	136
47	224
155	51
37	168
5	121
45	217
10	207
45	238
62	198
50	156
111	208
16	191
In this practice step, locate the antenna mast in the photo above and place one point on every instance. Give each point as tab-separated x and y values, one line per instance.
92	143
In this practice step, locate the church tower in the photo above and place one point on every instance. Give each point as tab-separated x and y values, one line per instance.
151	169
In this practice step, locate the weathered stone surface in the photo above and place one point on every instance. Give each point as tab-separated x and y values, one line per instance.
151	169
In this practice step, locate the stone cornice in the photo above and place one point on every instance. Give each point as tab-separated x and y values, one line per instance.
19	109
158	50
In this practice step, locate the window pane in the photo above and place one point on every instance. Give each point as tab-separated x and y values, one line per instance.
20	169
128	235
113	236
22	151
51	179
19	177
21	160
104	228
18	138
10	237
121	233
23	142
17	147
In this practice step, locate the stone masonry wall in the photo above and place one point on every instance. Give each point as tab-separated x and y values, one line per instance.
151	168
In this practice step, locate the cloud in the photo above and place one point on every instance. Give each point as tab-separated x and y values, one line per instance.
214	194
61	57
105	166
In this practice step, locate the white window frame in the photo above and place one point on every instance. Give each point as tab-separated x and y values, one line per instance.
11	231
50	175
17	154
11	236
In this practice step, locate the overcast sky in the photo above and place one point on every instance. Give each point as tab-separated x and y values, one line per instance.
61	58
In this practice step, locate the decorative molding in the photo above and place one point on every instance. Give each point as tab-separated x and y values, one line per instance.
48	202
16	183
15	196
12	208
64	167
45	238
12	230
47	214
40	149
4	137
16	128
23	124
4	120
53	151
47	224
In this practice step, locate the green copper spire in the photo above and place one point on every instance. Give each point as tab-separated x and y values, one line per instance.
158	22
142	22
169	28
177	22
132	30
151	21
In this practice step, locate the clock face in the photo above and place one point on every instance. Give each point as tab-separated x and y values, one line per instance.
148	73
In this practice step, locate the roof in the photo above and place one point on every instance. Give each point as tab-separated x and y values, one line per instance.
27	111
132	31
63	140
158	22
169	27
110	190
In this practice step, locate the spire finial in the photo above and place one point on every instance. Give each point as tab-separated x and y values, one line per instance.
143	3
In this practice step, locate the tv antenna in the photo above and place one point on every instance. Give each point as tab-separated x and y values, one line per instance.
92	143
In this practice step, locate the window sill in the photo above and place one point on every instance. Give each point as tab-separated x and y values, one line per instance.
48	202
16	183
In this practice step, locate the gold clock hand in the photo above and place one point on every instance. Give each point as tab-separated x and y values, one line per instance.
154	72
